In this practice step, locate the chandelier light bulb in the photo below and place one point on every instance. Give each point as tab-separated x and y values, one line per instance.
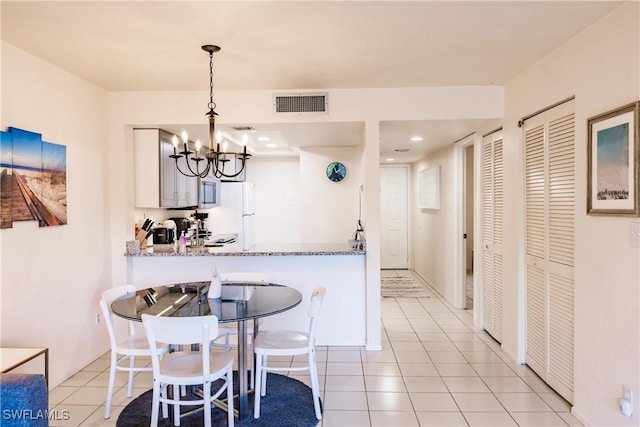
174	141
184	136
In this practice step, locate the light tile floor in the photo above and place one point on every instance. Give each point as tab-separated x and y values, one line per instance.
433	370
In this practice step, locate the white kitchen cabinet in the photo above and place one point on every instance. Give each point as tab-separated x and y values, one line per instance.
158	184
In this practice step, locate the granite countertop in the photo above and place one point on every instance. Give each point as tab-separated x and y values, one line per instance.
258	250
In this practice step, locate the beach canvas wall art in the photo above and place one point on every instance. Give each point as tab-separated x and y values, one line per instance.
34	179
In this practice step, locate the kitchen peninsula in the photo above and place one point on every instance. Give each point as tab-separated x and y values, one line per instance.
337	267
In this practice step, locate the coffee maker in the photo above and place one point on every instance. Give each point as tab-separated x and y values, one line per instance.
202	232
182	224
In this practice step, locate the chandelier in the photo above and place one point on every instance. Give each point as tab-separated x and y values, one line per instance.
216	160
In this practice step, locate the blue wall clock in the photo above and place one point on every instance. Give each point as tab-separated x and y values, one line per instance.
336	171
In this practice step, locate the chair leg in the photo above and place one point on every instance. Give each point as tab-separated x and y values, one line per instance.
112	380
230	419
176	405
206	388
315	388
132	365
252	380
155	404
258	389
165	405
263	386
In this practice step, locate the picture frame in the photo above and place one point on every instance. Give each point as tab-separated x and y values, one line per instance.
429	187
613	157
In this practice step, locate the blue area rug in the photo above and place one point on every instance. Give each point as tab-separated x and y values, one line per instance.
288	403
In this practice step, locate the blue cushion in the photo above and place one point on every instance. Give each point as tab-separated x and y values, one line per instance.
24	400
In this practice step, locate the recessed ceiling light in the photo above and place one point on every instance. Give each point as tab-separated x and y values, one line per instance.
272	145
390	159
416	138
263	138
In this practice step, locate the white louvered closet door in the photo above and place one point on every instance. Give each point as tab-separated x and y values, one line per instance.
492	233
549	140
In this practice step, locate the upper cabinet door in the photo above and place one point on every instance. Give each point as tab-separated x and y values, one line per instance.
169	191
158	184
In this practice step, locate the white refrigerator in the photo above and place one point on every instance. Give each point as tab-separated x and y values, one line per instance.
235	214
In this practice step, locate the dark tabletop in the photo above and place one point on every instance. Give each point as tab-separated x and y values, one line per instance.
190	299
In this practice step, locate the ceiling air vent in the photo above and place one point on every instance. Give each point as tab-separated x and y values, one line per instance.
300	103
242	128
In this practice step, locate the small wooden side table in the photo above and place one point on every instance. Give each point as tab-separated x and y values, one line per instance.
12	357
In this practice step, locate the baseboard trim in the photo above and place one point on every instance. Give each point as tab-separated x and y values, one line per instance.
580	417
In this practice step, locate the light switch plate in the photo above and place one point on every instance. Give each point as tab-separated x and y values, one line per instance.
634	239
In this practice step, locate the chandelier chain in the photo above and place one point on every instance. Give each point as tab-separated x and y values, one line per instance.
212	105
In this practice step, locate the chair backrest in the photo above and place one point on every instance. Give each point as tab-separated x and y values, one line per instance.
108	297
180	331
240	276
314	310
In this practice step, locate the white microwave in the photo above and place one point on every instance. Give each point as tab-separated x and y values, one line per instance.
208	193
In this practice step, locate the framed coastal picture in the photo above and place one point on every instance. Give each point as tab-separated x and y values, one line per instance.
612	162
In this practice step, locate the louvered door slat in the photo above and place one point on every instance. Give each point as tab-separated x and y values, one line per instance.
498	192
561	190
561	333
497	297
535	191
487	290
536	321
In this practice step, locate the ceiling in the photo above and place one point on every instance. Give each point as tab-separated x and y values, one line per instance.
301	45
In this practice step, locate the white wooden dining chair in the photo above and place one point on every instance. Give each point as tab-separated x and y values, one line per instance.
289	343
124	349
188	367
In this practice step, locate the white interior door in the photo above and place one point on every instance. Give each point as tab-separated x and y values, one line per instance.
492	233
394	217
549	245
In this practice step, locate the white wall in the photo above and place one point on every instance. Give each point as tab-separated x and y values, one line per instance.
432	254
330	209
601	67
51	277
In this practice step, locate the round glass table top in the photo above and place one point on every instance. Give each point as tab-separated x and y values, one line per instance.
190	299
